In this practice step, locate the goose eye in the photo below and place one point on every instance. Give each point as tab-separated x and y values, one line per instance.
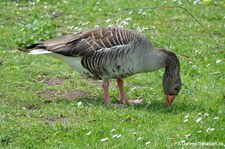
176	88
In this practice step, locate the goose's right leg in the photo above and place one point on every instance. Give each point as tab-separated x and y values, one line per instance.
106	99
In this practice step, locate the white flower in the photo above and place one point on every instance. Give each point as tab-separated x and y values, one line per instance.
70	27
198	120
187	135
144	13
31	3
196	2
199	131
85	23
130	12
114	136
139	139
140	11
196	52
79	104
124	22
88	133
216	118
118	20
144	28
218	61
186	120
135	133
182	141
110	25
117	136
187	116
194	66
107	21
128	19
134	88
139	29
113	130
73	28
179	2
152	27
210	129
104	139
119	25
206	115
147	143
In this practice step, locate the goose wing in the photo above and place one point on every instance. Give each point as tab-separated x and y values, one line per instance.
87	42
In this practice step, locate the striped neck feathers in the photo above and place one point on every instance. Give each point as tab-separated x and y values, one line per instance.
172	64
171	79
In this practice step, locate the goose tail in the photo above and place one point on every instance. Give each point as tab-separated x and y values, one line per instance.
39	51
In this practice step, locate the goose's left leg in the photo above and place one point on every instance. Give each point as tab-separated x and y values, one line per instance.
123	95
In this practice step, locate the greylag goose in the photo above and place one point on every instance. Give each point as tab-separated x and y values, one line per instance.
106	53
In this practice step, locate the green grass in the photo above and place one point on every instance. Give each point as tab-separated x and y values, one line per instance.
38	94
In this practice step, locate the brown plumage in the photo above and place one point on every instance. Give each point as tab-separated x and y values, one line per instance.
86	42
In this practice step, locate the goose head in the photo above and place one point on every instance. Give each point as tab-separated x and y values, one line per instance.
171	88
171	80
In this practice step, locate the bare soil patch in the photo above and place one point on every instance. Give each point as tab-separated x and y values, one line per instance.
53	81
76	94
32	107
50	95
47	94
54	119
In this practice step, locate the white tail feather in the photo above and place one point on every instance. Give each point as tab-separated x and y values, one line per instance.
39	51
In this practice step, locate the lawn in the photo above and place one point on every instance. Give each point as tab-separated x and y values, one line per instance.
46	104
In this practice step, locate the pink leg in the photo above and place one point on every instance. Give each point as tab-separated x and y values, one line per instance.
123	96
122	93
105	86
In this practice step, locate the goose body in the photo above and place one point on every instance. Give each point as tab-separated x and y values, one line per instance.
106	53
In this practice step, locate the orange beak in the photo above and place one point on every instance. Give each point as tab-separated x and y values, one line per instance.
170	99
